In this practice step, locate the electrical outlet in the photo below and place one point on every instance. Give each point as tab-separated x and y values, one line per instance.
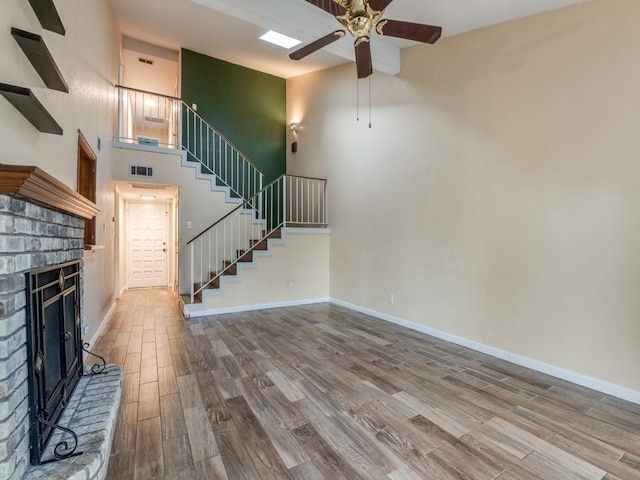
391	299
189	225
85	329
290	285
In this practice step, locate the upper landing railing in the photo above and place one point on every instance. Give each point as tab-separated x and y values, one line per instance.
146	118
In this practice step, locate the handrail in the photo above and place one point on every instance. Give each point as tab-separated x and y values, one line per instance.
222	246
308	178
294	200
148	92
239	207
221	136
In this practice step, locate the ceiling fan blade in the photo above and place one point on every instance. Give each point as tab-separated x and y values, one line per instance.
317	45
410	31
363	57
329	6
379	5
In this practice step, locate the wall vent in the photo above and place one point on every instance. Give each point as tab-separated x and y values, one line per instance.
152	142
154	119
140	171
145	61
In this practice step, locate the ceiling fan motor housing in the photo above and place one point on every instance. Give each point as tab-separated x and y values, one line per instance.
360	17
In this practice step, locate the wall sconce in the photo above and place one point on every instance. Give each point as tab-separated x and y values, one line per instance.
294	126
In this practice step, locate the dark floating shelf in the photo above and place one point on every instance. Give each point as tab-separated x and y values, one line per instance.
48	15
38	54
30	107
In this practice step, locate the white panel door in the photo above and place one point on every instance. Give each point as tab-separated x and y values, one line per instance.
146	245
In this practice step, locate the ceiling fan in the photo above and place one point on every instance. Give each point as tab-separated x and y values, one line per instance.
359	17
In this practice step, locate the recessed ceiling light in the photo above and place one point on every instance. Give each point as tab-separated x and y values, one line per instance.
280	39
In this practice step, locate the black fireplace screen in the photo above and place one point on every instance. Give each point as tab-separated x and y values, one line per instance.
54	345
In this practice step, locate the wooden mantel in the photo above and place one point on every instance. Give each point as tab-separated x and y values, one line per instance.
37	185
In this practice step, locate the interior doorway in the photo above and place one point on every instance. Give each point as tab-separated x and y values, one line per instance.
146	236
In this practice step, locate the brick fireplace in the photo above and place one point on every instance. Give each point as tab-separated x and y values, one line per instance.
41	225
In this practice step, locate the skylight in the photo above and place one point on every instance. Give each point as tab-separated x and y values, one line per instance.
280	39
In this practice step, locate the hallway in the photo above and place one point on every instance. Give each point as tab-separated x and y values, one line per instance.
324	392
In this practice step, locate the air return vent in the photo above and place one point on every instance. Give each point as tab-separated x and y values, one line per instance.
140	171
152	142
145	61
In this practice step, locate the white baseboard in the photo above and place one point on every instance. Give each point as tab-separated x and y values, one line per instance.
558	372
193	313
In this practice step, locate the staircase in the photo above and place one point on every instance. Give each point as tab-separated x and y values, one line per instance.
146	118
235	239
221	251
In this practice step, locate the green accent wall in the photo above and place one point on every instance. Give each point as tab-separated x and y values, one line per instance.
248	107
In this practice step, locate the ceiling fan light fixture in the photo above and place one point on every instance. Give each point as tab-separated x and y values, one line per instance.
280	40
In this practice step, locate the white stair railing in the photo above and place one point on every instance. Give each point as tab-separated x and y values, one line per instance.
306	201
151	119
287	201
218	156
147	118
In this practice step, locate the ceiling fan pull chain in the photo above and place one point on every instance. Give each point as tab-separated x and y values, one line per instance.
369	101
357	99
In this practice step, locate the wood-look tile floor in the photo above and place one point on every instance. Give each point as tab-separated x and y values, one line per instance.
323	392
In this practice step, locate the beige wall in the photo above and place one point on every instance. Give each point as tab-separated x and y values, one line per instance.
303	260
497	194
87	56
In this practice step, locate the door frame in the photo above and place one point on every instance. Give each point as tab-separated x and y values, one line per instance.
121	250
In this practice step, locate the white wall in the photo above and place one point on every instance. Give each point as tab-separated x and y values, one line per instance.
497	194
87	56
197	203
160	78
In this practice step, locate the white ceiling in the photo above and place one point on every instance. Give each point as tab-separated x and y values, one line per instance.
229	29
